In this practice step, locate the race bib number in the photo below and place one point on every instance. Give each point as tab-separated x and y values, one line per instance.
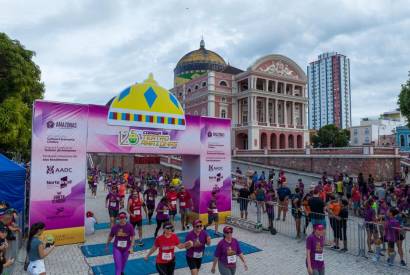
174	202
150	198
166	212
122	244
319	257
137	212
182	203
232	259
113	204
166	256
215	211
198	255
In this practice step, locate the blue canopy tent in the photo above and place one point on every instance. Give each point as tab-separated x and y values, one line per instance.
12	183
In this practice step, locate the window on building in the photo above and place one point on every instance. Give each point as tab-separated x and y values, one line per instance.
408	140
180	94
196	87
366	131
189	90
223	83
204	84
355	131
355	141
402	143
223	99
223	113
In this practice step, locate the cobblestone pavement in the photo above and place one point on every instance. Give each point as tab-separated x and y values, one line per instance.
280	254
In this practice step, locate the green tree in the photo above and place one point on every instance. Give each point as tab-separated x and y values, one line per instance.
331	136
404	100
20	85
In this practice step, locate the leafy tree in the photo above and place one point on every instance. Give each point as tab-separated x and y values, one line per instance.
404	100
20	85
331	136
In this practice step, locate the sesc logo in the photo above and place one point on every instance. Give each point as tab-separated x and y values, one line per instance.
52	170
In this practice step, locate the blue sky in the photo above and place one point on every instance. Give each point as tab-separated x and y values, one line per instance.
89	50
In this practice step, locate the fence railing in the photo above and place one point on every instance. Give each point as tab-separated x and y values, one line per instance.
360	238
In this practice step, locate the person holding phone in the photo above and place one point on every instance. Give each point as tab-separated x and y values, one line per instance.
37	250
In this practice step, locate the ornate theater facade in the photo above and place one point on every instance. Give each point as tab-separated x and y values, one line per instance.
267	102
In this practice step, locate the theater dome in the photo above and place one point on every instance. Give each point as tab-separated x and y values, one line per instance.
196	63
147	105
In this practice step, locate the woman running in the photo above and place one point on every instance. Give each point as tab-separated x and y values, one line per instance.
37	250
162	214
166	243
123	232
226	253
213	216
112	202
135	206
149	195
199	237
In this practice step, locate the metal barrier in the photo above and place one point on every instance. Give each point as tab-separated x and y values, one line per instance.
355	232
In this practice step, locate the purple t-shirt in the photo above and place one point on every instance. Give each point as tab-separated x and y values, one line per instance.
123	235
113	201
199	244
150	195
225	252
161	216
369	214
213	207
391	230
315	245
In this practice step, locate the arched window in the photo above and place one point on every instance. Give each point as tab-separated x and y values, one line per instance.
189	90
223	99
204	84
196	87
203	113
402	143
223	113
223	83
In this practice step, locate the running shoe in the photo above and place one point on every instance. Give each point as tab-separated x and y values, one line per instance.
403	263
343	250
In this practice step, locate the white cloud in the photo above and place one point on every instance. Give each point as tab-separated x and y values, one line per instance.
89	50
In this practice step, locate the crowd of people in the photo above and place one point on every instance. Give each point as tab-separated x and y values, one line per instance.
131	197
383	207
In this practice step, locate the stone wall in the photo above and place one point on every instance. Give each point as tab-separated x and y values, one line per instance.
382	168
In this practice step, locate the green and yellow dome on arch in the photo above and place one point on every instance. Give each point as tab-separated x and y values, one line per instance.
147	105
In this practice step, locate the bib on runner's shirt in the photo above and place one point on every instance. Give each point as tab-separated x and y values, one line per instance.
319	257
113	204
137	212
232	259
197	255
166	212
182	203
215	211
150	198
173	202
166	256
122	244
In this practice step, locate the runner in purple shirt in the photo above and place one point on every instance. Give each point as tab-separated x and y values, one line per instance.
314	251
149	195
123	234
112	202
391	233
226	254
162	214
194	254
213	216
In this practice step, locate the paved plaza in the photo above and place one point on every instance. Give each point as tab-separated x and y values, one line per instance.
280	254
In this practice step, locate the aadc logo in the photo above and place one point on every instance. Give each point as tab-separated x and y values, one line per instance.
52	170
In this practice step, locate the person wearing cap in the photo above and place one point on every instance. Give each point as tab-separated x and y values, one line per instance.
172	197
199	237
123	235
213	216
112	202
226	254
314	251
162	214
149	195
166	243
135	205
90	222
185	204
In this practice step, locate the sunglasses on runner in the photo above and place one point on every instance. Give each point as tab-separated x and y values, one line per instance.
169	227
198	226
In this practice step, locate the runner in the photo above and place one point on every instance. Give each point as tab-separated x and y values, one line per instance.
213	216
172	197
149	195
165	260
199	238
122	188
314	251
94	186
112	202
123	232
226	253
162	214
185	204
135	205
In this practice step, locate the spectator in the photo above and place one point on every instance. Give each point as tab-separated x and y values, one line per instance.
283	195
243	199
297	211
317	207
37	250
90	222
262	176
343	216
270	200
238	171
370	219
333	209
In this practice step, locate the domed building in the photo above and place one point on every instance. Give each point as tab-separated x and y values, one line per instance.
197	63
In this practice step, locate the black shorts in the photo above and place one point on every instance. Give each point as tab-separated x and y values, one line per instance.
371	227
390	244
151	206
113	213
194	263
172	212
402	236
136	223
212	218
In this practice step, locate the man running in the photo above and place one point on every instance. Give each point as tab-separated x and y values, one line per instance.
199	239
213	216
123	243
112	202
172	197
149	195
185	204
162	214
135	206
314	251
